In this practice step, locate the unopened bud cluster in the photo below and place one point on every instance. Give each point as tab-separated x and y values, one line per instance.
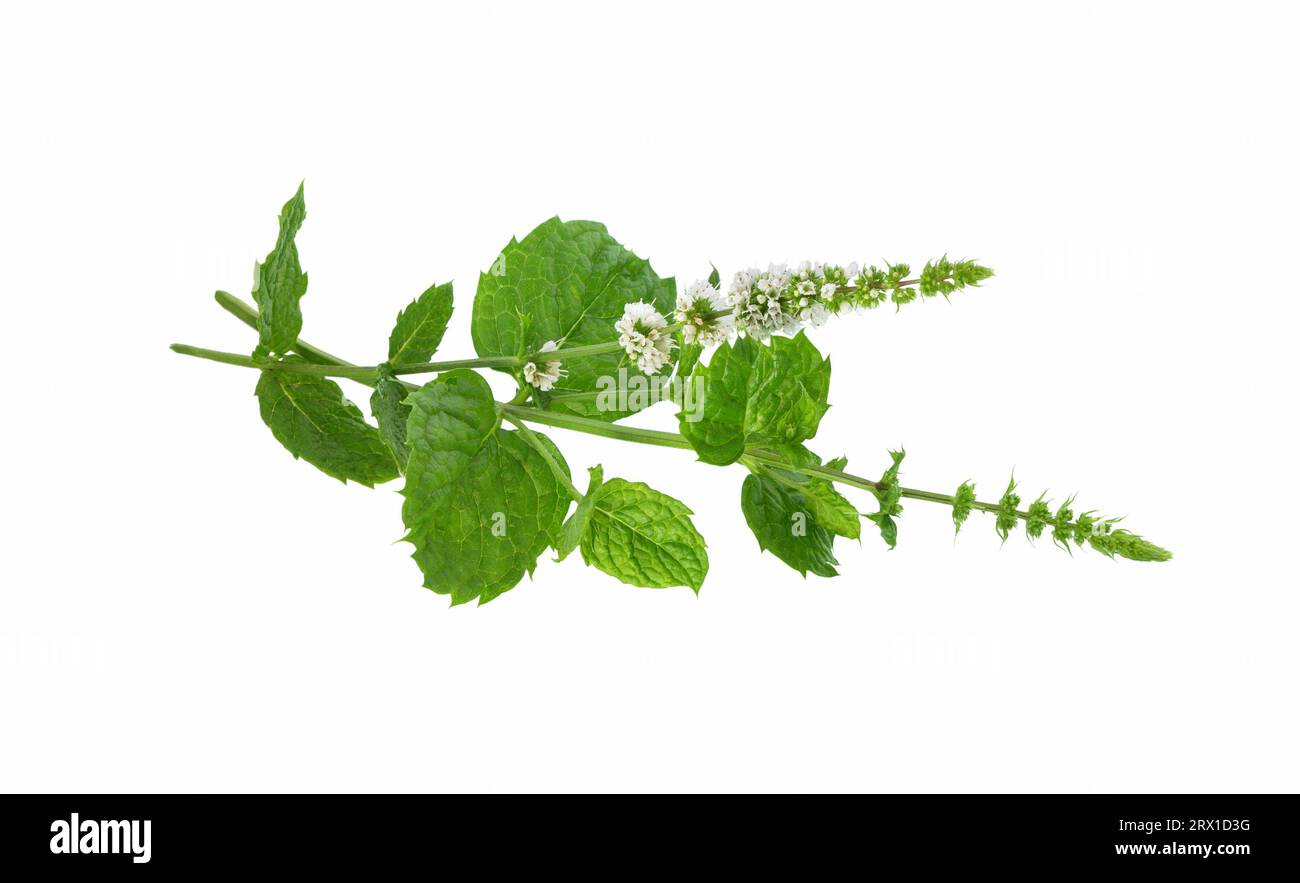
1099	533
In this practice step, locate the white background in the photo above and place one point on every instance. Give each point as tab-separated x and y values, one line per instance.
185	607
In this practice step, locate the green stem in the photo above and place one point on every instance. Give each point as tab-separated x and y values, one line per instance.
433	367
558	355
365	375
589	396
857	481
531	437
867	484
247	313
597	427
674	440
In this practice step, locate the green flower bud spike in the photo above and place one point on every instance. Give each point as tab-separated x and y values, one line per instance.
963	503
1039	516
1008	513
1100	534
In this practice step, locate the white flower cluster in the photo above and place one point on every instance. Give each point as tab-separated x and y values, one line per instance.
545	377
780	300
642	334
698	309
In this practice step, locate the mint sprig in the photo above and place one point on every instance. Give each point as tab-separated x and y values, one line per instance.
570	314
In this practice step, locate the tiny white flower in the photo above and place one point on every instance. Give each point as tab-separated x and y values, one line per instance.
655	354
639	316
741	286
700	297
544	377
829	289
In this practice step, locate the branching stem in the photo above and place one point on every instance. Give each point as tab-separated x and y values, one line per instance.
353	372
327	365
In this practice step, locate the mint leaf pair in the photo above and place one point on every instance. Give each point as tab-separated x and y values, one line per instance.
771	397
309	415
754	393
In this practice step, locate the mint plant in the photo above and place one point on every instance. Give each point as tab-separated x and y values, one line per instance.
591	333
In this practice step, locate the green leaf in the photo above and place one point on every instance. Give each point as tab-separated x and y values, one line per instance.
488	527
420	327
481	503
830	509
388	404
688	356
280	284
827	506
644	538
715	278
888	527
784	526
571	533
752	393
310	417
451	420
566	281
